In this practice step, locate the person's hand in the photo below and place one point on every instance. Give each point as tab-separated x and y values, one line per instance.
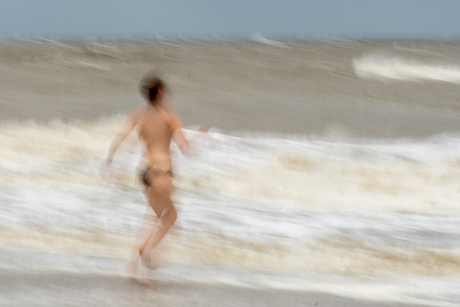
204	128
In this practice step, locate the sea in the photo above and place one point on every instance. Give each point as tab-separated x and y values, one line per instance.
373	218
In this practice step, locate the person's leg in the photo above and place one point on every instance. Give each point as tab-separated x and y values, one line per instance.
167	220
147	227
160	201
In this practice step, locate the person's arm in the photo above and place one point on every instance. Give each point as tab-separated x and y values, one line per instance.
178	136
127	127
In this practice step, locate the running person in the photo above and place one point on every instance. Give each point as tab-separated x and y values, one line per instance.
156	126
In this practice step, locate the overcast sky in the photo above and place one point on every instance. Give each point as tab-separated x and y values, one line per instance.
233	18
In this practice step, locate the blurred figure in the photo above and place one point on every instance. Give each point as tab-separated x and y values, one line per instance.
156	126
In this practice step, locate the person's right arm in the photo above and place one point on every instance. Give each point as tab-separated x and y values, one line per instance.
178	135
128	126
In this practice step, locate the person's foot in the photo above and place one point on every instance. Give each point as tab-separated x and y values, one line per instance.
142	281
146	258
131	269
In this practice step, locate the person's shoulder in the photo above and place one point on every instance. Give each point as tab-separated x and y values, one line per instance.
138	112
172	119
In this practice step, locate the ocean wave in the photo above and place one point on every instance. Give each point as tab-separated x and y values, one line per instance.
321	256
380	67
323	174
256	201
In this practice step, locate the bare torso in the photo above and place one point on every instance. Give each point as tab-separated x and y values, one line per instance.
155	128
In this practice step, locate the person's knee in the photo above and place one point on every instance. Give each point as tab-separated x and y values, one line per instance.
170	217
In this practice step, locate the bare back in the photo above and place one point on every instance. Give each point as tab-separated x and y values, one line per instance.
156	127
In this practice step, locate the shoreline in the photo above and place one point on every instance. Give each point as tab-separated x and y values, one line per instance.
95	289
88	281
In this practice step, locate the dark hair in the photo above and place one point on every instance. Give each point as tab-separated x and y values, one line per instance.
149	86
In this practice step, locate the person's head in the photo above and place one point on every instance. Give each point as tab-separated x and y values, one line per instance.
152	88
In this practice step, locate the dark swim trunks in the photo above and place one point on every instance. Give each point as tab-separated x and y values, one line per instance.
155	172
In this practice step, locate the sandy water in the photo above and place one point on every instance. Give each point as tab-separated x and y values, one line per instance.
362	88
351	188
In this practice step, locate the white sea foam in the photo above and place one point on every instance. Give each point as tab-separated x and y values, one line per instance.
307	205
259	38
381	67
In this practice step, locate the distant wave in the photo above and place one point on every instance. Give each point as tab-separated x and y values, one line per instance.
259	38
395	68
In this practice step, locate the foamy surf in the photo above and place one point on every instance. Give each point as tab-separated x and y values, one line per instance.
304	206
381	67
